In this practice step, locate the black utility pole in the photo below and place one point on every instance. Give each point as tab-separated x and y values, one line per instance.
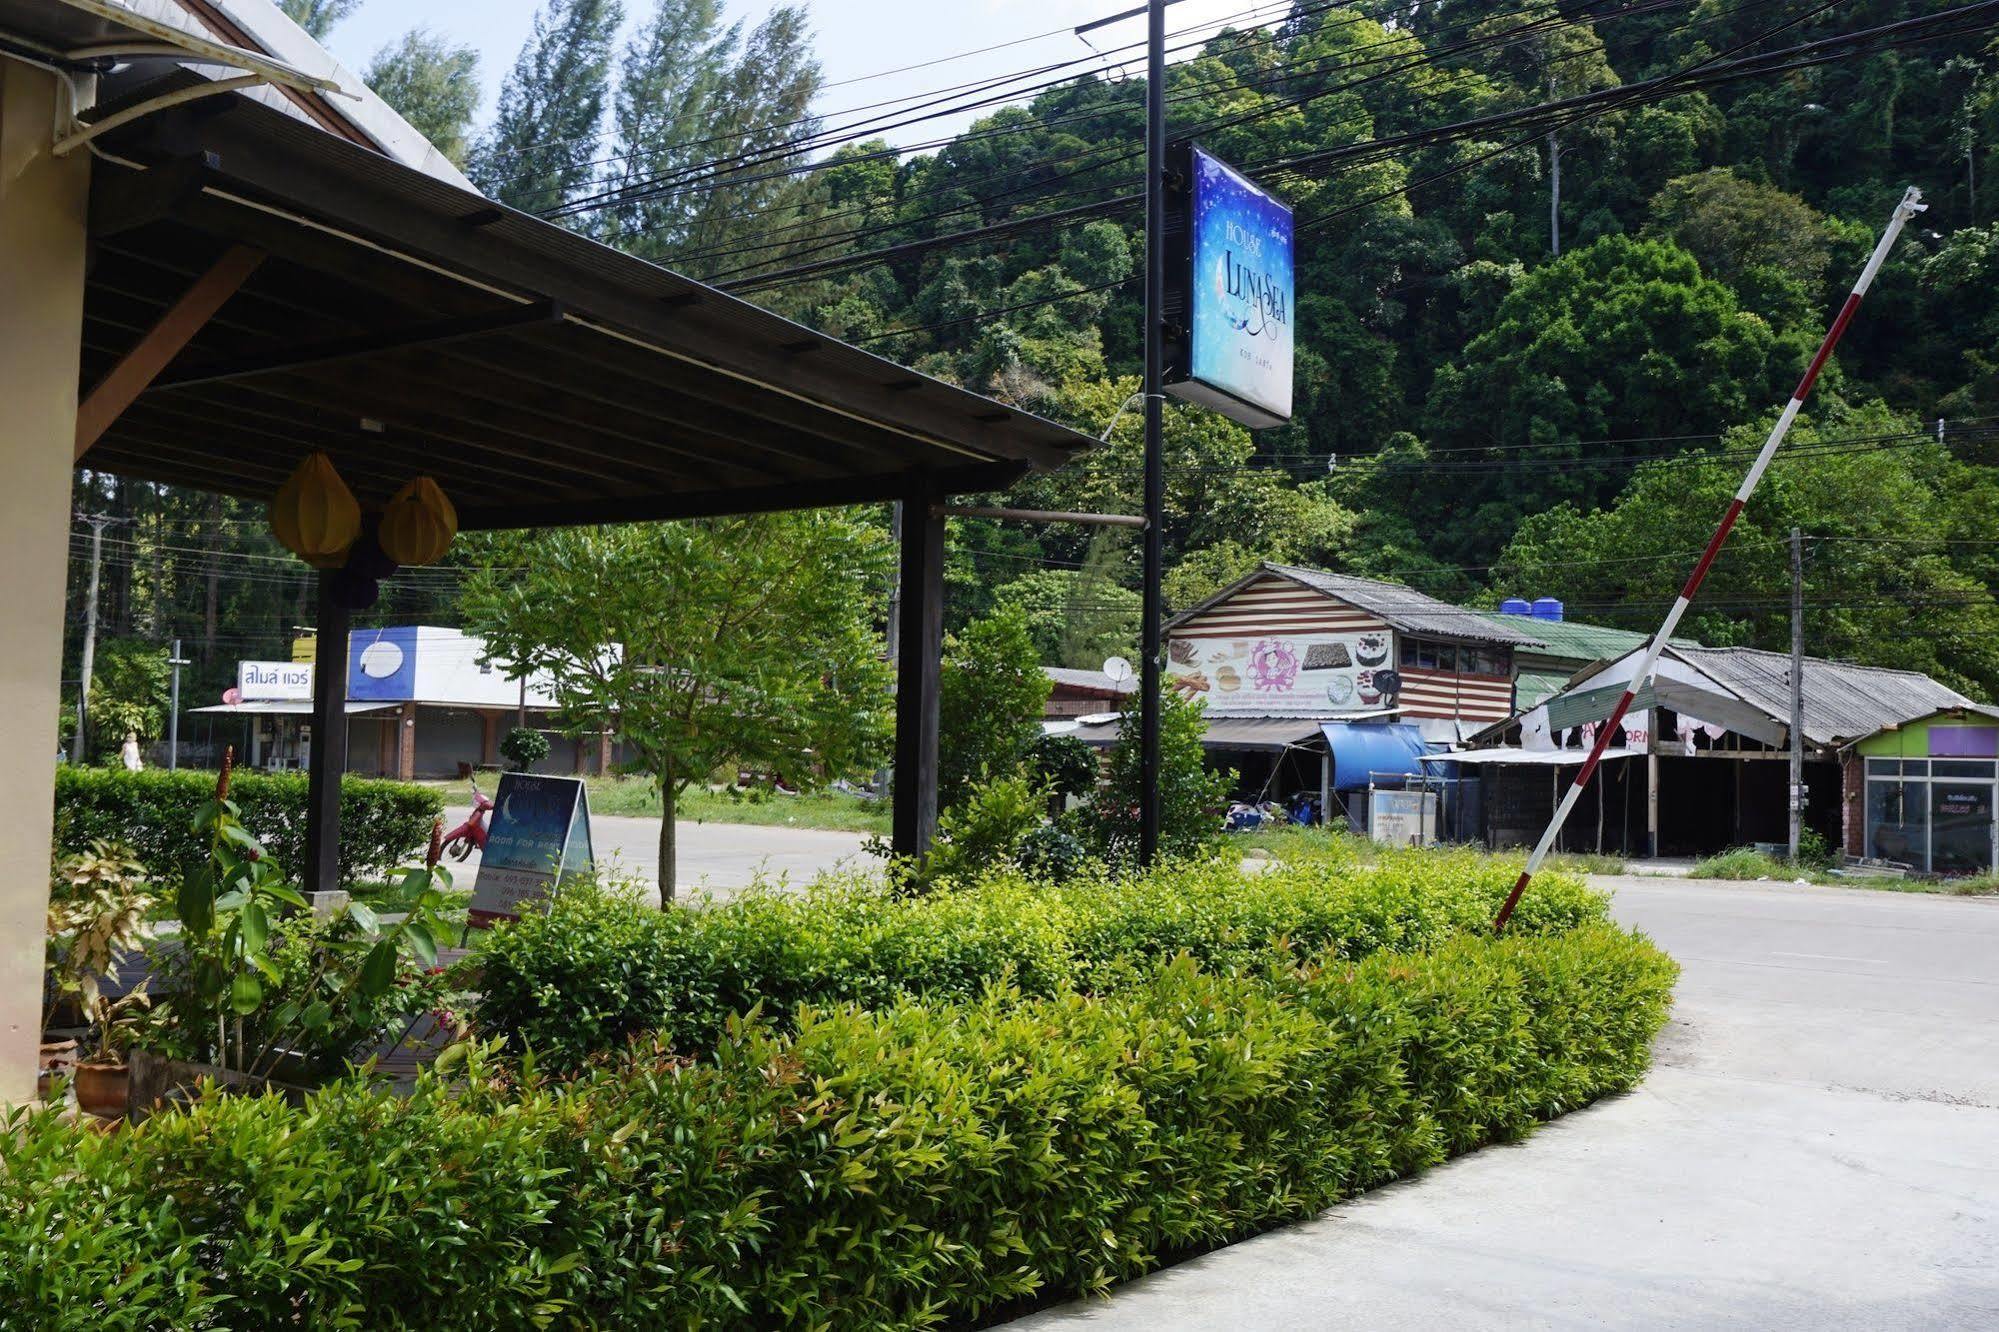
1155	465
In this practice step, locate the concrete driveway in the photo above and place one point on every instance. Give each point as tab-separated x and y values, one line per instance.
713	857
1817	1147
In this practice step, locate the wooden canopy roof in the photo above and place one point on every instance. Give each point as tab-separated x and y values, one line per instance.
406	326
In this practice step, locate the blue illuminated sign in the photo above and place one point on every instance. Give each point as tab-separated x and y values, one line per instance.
1237	296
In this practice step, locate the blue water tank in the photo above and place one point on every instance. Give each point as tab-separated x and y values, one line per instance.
1515	606
1547	608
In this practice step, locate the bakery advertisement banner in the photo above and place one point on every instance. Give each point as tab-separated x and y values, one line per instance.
1288	675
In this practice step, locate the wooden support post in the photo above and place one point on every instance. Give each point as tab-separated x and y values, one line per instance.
489	726
156	349
918	659
321	871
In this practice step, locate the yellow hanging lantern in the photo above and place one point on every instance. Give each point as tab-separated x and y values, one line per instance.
418	525
314	515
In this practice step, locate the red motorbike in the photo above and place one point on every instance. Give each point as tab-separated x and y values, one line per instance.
461	841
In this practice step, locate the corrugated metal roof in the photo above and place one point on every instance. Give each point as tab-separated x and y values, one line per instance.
1577	642
1843	702
1531	687
1407	609
1085	679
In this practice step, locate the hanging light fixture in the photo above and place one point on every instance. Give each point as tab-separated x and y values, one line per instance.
314	515
418	525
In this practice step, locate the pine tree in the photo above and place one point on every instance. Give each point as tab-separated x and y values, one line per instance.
431	84
670	79
543	145
703	113
318	17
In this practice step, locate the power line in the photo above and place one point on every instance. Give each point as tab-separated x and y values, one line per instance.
1630	96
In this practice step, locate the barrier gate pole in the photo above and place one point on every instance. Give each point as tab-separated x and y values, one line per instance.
1911	205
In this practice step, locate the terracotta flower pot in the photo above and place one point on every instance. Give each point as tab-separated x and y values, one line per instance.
103	1090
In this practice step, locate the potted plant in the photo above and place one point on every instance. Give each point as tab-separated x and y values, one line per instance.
257	992
103	1078
97	912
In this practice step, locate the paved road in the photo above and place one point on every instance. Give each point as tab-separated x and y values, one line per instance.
715	857
1817	1147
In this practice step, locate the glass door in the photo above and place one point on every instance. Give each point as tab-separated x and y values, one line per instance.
1960	827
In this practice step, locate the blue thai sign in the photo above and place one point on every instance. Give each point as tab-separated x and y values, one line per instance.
1238	305
381	664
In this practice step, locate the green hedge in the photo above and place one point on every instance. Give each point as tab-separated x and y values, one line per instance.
597	970
382	824
928	1164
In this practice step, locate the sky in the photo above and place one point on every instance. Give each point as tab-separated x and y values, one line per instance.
858	42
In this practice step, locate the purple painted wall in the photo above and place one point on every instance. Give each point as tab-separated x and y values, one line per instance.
1964	742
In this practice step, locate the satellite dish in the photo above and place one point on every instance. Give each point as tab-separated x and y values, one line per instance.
1118	669
232	696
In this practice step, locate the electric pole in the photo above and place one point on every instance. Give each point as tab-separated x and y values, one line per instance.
1797	686
173	709
1155	466
98	522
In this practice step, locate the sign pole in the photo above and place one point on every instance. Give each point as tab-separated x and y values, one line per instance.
1911	205
1155	465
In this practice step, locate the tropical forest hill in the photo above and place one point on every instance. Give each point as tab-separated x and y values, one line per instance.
1535	346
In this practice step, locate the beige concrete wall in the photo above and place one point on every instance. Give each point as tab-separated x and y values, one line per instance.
43	204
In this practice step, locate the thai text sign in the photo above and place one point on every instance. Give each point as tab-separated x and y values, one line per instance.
266	681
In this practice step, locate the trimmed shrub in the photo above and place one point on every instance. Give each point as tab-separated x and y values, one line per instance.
590	973
931	1163
382	824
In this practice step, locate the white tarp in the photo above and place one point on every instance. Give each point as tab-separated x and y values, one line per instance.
1542	757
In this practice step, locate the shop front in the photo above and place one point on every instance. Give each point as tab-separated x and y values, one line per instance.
1927	798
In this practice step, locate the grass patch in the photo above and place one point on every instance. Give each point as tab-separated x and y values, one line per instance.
834	811
1337	845
1745	864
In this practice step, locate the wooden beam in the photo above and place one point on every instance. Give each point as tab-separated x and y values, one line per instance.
831	493
328	759
122	201
719	334
161	343
429	334
918	667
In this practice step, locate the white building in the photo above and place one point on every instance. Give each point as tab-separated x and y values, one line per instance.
422	701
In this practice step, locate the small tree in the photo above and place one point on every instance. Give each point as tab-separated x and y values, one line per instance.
716	643
1190	796
524	747
990	697
128	692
